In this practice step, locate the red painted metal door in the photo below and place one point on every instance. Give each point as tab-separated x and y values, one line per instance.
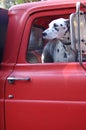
53	98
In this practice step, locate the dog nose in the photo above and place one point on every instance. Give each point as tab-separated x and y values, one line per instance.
44	34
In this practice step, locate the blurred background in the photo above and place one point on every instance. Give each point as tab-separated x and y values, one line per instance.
8	3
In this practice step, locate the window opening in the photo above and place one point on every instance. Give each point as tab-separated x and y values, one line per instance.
77	39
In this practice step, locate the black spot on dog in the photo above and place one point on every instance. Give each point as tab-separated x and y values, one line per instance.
81	13
85	43
68	38
64	46
65	32
82	40
68	26
56	29
65	55
83	51
61	25
57	50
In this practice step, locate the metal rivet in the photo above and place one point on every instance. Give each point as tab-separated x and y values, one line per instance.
10	96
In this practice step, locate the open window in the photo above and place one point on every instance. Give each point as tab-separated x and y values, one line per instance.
36	42
77	34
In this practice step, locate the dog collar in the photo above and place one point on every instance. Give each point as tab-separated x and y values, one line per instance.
67	43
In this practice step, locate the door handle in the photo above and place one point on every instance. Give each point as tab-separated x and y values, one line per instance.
11	80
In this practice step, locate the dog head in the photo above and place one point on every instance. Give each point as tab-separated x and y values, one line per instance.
58	29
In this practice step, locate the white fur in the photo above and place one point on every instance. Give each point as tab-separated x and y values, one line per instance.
67	51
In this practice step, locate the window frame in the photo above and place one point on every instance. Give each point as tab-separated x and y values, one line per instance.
26	36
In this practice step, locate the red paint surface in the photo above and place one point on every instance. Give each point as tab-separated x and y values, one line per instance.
55	97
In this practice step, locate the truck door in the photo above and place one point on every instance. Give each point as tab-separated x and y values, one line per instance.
49	96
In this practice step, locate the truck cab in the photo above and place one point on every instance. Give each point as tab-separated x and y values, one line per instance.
35	95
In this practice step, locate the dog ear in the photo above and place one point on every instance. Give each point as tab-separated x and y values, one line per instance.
67	21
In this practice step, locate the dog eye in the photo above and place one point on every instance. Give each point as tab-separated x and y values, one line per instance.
56	29
55	25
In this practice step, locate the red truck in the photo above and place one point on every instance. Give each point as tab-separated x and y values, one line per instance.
35	95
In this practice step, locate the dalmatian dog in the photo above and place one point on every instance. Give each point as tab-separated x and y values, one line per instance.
58	49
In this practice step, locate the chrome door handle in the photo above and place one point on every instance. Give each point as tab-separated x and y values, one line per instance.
11	80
